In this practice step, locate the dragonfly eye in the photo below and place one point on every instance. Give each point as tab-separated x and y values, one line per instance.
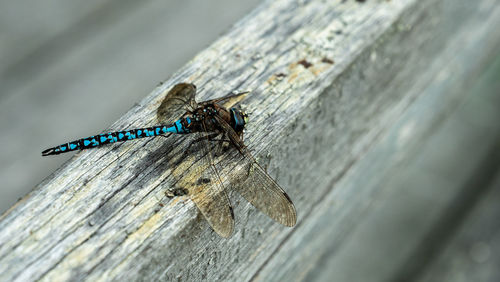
238	119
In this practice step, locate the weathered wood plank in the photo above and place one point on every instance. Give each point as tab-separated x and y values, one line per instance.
408	193
328	80
470	248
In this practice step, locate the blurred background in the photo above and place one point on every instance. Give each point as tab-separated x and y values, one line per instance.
69	69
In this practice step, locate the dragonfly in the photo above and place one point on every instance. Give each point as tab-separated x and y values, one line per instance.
215	132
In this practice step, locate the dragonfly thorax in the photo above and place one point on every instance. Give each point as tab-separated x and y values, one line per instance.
206	118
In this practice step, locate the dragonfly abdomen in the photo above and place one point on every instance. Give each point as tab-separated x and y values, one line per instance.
118	136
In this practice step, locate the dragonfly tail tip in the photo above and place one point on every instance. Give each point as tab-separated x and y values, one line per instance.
48	152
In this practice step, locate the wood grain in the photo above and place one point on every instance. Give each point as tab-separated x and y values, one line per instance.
344	96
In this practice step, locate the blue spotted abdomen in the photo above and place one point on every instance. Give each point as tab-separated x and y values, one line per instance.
119	136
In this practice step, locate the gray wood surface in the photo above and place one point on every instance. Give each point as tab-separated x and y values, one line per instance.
363	112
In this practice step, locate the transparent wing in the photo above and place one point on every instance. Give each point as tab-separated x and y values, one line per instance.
228	100
179	100
256	186
205	187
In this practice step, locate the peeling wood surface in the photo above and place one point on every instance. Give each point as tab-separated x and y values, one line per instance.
347	102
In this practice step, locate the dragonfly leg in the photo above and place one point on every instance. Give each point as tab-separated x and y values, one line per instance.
211	137
197	140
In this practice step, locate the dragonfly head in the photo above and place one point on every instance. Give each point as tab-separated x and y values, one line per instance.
238	119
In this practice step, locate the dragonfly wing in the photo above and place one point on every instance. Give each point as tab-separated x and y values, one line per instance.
179	100
228	100
266	195
213	203
207	191
256	186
